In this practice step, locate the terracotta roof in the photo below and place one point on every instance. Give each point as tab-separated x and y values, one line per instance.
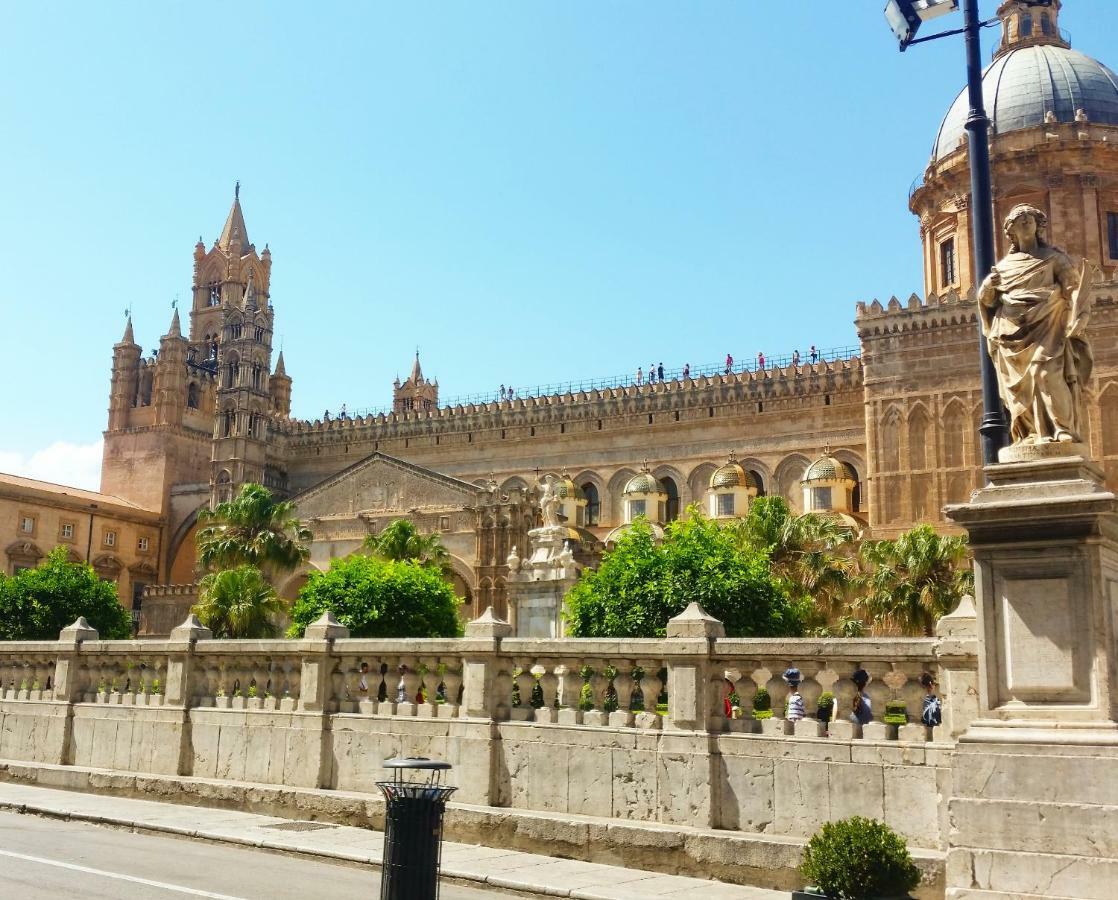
64	490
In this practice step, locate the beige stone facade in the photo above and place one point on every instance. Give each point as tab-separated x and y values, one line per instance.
208	413
121	540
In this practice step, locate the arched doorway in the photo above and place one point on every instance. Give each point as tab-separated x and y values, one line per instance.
671	507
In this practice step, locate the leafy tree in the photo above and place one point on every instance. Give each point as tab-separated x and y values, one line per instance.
238	603
36	604
640	584
911	581
401	540
812	555
252	529
376	597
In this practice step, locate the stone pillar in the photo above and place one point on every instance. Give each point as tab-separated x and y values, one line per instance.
1035	780
484	680
956	650
307	762
56	739
179	688
686	755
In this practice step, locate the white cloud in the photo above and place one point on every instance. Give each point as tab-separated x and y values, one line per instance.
77	465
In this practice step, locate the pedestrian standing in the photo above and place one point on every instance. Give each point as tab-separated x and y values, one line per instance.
640	376
794	711
686	370
760	360
729	364
795	357
651	374
502	392
814	355
660	372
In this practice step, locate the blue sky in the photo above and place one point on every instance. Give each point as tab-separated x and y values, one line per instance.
528	191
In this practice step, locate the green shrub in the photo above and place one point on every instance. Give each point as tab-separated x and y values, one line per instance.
896	713
857	859
762	704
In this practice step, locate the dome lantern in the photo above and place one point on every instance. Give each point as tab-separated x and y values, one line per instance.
572	500
731	491
644	496
828	485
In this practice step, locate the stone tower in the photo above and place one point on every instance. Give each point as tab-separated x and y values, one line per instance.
244	401
415	394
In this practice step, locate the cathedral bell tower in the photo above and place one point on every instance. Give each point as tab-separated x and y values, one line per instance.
416	394
244	402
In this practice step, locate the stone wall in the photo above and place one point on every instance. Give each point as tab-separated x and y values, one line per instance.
294	713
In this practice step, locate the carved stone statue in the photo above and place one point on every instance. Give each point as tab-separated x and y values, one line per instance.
549	503
1035	305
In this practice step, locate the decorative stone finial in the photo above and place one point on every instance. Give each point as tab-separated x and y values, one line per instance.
695	622
487	625
80	631
191	630
326	628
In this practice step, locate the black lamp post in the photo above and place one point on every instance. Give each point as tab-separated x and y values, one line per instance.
905	18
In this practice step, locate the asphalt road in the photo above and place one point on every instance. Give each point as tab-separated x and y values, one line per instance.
51	859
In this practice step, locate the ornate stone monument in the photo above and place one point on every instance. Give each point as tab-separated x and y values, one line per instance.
1035	792
538	583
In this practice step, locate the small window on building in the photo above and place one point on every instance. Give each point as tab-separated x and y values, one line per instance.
947	270
1112	234
637	508
593	503
66	531
110	538
27	524
1045	23
142	545
444	523
725	504
259	334
820	498
1026	25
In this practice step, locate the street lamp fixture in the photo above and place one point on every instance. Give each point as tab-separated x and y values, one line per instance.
905	18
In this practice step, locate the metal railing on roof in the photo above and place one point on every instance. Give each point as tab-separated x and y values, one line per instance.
559	388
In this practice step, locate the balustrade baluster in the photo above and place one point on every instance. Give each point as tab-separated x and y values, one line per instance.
622	684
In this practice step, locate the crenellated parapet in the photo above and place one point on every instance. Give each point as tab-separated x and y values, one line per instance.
949	309
805	382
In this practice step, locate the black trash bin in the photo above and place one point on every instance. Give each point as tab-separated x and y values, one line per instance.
415	800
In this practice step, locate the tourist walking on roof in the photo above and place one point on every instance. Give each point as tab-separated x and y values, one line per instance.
760	361
686	370
795	357
729	364
660	372
814	355
640	376
502	392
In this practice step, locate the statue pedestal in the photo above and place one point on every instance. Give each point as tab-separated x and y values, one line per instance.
1035	780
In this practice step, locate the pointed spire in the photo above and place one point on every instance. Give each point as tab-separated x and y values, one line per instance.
416	370
234	226
176	328
128	338
280	368
250	292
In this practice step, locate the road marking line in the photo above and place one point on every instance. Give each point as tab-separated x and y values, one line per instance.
145	881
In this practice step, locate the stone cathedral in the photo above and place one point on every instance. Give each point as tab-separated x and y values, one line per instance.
884	437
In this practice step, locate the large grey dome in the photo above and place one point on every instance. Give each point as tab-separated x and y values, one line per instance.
1025	84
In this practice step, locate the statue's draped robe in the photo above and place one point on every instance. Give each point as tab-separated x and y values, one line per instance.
1040	368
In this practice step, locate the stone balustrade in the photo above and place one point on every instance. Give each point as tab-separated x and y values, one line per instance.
628	729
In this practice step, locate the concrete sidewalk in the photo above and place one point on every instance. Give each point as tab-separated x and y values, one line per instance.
507	869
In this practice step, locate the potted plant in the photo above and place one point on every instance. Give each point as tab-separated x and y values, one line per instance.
825	708
762	705
36	690
896	713
857	859
220	700
155	697
252	699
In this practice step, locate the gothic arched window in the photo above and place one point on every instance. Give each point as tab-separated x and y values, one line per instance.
593	503
192	395
214	298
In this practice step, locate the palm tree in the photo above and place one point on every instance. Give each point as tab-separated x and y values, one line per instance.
811	554
400	540
252	529
911	581
238	603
